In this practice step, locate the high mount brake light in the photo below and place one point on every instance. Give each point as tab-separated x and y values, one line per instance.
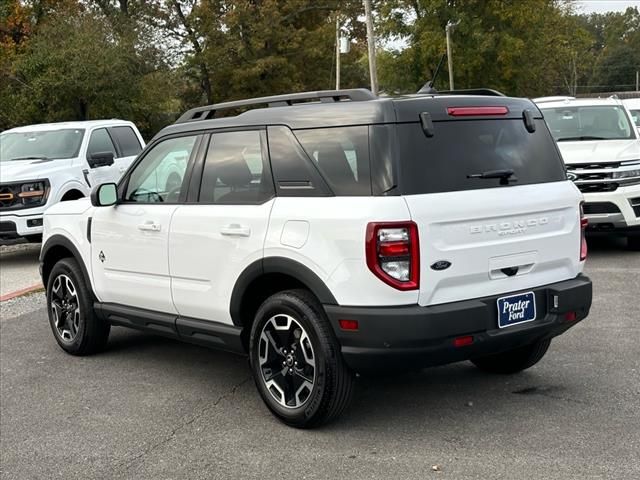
583	227
393	253
476	111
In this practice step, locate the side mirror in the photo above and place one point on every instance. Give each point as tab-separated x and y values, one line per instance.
104	195
100	159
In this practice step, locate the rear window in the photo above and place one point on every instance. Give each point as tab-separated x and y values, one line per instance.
443	162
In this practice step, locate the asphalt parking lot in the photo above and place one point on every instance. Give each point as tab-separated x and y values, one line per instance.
155	408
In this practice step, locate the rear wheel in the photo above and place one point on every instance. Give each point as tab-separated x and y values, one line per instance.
70	307
296	361
513	361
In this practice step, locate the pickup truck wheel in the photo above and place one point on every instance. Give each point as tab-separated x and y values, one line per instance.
513	361
296	361
633	242
70	307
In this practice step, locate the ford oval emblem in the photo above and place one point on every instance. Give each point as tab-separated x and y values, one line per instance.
441	265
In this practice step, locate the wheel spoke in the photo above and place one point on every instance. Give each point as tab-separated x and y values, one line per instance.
287	361
65	308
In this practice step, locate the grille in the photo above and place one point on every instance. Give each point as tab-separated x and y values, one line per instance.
594	177
600	207
7	227
9	196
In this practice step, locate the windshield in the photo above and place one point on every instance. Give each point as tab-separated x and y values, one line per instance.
601	122
45	145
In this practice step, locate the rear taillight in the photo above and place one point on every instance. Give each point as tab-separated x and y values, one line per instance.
393	253
583	227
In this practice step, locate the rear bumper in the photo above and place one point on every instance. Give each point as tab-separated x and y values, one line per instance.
407	337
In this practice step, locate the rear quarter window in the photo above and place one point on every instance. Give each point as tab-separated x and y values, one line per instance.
443	162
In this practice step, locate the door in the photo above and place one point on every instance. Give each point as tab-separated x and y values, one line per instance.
100	142
212	241
130	239
128	145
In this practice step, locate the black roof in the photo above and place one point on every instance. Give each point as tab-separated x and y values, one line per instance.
340	108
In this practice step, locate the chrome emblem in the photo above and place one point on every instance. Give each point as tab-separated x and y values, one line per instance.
572	176
101	256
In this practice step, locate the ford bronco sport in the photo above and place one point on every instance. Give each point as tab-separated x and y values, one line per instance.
330	233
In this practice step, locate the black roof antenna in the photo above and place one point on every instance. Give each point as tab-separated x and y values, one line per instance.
428	87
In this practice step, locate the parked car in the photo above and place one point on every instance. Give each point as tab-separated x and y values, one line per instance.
41	165
334	232
601	149
633	104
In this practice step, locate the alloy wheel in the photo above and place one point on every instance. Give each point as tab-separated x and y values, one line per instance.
287	361
65	308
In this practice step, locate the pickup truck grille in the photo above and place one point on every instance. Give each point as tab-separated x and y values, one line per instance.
9	196
594	177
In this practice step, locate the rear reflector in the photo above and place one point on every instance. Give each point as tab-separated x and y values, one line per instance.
348	324
476	111
463	341
570	316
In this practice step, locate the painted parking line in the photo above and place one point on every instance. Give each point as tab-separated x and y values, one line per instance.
22	291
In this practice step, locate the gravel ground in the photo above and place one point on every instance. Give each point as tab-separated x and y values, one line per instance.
18	266
150	408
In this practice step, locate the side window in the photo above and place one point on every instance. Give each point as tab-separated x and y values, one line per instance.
100	142
235	170
342	155
294	172
127	139
159	176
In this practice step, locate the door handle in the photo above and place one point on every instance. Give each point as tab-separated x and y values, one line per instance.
149	226
235	230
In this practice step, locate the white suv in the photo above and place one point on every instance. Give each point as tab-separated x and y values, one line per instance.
331	233
601	149
41	165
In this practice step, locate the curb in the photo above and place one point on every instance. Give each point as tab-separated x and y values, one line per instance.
22	291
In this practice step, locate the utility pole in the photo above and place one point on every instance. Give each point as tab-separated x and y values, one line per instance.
637	80
371	41
337	52
448	28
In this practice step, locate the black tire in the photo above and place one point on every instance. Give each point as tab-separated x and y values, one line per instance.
513	361
75	327
633	242
333	382
34	238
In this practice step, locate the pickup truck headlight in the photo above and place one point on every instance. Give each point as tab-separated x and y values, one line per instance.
629	177
34	194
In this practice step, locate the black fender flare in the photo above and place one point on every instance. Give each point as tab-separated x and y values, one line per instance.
62	241
282	265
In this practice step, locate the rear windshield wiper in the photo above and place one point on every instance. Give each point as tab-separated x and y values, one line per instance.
31	157
505	175
584	137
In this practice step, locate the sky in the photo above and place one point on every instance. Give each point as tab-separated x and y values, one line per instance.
602	6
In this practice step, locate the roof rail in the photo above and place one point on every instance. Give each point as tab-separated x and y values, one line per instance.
559	98
473	91
323	96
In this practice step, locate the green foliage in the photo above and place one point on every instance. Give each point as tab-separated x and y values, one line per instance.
148	60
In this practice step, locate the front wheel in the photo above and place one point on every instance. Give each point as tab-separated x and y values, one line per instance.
296	361
70	307
513	361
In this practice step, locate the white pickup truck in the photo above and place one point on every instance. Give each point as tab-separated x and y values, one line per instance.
601	149
41	165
